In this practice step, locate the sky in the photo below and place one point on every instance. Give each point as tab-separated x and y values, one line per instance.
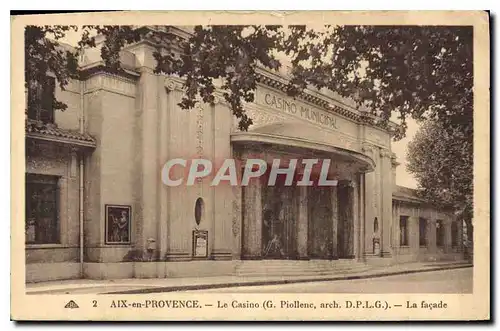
403	177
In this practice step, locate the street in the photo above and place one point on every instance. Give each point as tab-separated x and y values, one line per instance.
445	281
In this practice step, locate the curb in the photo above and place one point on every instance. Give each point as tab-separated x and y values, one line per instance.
278	282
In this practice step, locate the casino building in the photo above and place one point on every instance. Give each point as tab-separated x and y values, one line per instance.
96	206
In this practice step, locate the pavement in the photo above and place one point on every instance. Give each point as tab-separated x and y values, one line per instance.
441	281
157	285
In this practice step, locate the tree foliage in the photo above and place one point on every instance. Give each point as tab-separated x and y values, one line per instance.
408	71
423	72
227	53
442	162
43	56
417	71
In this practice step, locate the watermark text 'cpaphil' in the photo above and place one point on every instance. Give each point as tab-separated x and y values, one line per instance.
307	172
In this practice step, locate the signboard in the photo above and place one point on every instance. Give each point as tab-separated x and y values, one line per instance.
200	243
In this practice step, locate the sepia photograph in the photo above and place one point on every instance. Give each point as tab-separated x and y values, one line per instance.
263	158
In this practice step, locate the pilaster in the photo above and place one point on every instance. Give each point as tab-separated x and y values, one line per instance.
222	194
178	225
166	102
413	229
447	236
431	235
369	204
386	208
148	106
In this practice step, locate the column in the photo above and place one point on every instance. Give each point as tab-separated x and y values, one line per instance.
302	224
354	234
252	220
431	235
237	199
370	214
335	222
361	218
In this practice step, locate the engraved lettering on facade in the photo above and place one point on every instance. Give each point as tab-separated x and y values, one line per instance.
313	115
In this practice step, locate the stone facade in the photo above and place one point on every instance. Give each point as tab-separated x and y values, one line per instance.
136	126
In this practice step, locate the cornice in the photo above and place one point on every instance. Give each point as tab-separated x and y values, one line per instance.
99	69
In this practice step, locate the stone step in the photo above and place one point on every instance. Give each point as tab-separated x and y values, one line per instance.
297	262
249	268
300	273
317	269
284	271
310	265
298	268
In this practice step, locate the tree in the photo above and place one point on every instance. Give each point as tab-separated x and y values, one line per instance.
442	162
417	71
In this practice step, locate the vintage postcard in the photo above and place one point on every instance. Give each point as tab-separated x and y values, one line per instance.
251	166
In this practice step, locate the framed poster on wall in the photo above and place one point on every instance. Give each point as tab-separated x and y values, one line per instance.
118	224
200	244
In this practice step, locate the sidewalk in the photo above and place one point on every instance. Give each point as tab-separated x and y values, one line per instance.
136	286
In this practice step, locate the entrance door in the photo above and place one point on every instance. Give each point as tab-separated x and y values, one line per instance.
278	222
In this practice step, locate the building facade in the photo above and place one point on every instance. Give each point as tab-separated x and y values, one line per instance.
96	206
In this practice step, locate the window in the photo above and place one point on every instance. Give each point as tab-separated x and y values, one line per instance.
422	227
439	233
42	208
403	230
454	234
199	209
41	101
